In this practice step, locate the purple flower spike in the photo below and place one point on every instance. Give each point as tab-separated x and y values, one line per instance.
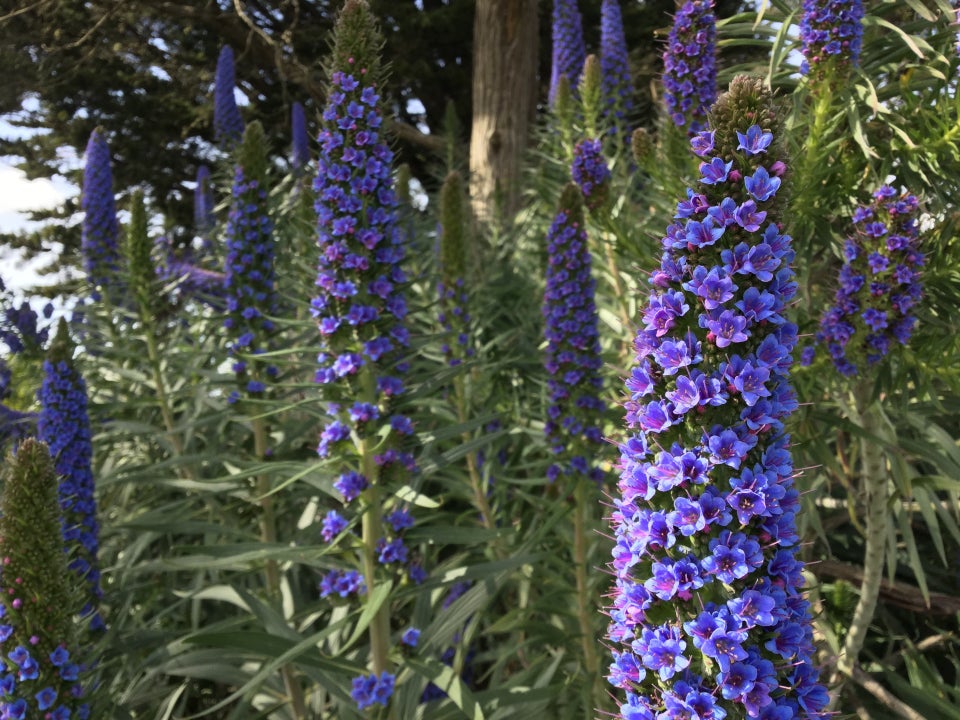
300	154
100	230
879	283
227	123
591	173
831	32
690	65
614	64
573	343
569	51
707	618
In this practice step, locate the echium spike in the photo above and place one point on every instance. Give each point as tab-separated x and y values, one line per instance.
569	51
573	344
708	618
454	314
249	283
690	65
227	123
40	660
300	148
591	174
100	229
360	310
64	425
879	284
617	84
591	94
140	268
831	32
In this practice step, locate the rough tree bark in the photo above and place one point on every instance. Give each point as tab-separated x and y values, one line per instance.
504	101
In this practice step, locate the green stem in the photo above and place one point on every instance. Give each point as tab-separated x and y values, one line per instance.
586	610
875	482
372	531
476	482
268	536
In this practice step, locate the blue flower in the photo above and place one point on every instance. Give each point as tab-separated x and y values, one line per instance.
227	123
410	637
761	185
831	32
100	231
754	141
590	172
372	690
714	171
569	51
615	66
690	66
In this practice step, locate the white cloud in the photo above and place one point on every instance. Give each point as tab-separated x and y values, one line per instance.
18	194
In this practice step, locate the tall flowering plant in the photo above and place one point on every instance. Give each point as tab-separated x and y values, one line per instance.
41	672
360	311
690	65
831	33
227	122
617	84
64	425
249	283
569	50
879	284
100	231
707	618
452	294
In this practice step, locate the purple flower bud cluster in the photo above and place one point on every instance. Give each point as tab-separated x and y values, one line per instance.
227	123
14	424
204	219
615	67
707	618
300	151
591	173
20	328
360	308
569	50
690	65
831	30
573	347
372	690
39	685
455	320
249	283
879	283
100	231
64	424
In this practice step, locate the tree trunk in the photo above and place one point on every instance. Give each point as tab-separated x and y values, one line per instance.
504	101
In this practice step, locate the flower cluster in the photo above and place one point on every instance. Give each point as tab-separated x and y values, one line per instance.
573	344
372	690
360	309
454	315
707	618
690	65
249	282
569	51
300	151
64	425
615	66
830	30
20	327
591	173
879	283
100	231
39	675
14	424
227	123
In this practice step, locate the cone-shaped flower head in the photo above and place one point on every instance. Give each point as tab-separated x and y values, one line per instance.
617	85
573	343
100	231
591	173
300	149
40	664
831	32
690	65
249	272
227	123
203	204
707	618
879	283
360	309
64	425
569	51
454	315
140	268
